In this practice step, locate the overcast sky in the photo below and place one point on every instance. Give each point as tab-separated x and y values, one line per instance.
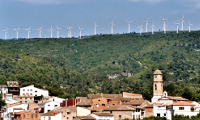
83	13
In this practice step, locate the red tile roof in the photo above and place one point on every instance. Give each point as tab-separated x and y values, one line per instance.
182	103
102	114
51	113
131	94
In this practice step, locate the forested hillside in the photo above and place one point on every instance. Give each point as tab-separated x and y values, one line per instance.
80	66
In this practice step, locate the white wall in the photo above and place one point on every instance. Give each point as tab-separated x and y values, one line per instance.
83	112
102	117
162	111
3	91
186	112
50	106
31	90
56	99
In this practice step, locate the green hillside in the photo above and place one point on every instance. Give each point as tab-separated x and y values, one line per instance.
177	55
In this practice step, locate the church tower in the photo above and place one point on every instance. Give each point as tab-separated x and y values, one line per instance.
157	86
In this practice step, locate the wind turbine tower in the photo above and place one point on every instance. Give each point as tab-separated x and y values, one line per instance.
80	32
112	24
146	24
58	31
51	31
177	27
165	29
153	28
140	29
28	31
164	26
182	21
17	30
129	25
5	33
40	31
189	26
95	28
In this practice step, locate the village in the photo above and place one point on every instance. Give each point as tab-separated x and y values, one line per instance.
31	103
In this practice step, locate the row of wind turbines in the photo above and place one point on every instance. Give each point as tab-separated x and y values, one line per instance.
112	24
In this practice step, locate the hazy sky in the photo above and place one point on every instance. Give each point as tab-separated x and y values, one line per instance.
83	13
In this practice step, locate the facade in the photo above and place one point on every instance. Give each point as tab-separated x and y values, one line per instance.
27	115
53	115
33	91
70	102
131	95
26	99
83	111
9	90
161	110
51	106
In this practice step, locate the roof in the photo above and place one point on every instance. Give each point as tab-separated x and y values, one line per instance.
158	72
183	103
102	114
51	113
175	98
92	96
73	109
120	108
17	108
132	94
134	102
87	102
3	86
86	117
14	104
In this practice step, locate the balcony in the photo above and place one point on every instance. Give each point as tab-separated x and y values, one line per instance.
13	90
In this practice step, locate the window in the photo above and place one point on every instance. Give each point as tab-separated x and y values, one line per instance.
30	98
181	108
14	83
48	110
20	101
27	89
27	116
97	105
25	101
68	113
158	114
103	105
48	105
32	115
36	91
25	98
120	116
67	118
24	116
56	105
23	93
23	89
155	76
20	98
99	100
30	89
30	93
164	114
155	87
35	116
137	110
53	99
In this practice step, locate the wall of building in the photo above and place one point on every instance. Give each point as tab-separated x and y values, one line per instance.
100	103
68	114
55	117
82	111
186	112
148	112
33	91
114	102
102	117
29	116
124	114
50	106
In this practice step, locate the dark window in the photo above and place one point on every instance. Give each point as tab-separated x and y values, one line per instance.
49	118
158	115
103	105
113	104
32	115
155	76
181	108
35	91
68	113
24	116
120	116
155	87
164	114
35	116
48	110
99	100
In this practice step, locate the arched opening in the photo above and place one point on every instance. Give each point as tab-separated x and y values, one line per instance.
155	87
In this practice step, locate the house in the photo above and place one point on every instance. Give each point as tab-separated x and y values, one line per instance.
69	113
9	90
70	102
25	99
123	111
10	109
52	115
49	105
149	110
184	108
33	91
102	116
162	110
56	99
83	111
87	103
84	118
27	115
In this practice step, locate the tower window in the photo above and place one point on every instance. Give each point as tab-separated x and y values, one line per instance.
155	87
155	76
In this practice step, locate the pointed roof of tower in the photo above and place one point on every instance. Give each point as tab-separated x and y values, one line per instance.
158	72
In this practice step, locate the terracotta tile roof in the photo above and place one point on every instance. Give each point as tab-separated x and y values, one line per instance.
86	102
17	108
51	113
92	96
44	102
102	114
86	117
73	109
149	106
134	102
14	104
182	103
120	108
175	98
131	94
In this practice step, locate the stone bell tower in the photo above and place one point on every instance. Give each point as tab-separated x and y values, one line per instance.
157	86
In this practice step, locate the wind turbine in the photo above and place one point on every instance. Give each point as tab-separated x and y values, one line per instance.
153	28
28	31
5	33
189	25
164	29
51	31
182	21
17	30
146	23
80	31
58	31
177	27
129	25
140	29
112	24
40	31
95	28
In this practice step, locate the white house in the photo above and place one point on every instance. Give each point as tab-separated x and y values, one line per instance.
3	90
162	110
33	91
102	116
48	106
56	99
10	109
52	115
184	108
